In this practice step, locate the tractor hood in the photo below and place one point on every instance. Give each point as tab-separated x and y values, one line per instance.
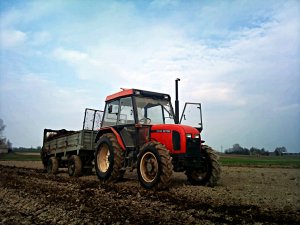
174	136
165	128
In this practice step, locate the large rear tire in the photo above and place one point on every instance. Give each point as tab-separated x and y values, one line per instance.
209	175
154	166
74	166
109	158
52	166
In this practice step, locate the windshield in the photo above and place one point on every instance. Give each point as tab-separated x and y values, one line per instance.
154	111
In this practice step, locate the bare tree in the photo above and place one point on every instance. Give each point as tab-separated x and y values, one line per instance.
2	127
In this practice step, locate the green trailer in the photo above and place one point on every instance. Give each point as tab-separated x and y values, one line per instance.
72	149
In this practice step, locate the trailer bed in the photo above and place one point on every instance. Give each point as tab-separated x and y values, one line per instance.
70	141
60	147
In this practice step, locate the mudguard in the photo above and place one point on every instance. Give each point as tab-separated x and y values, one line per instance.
110	130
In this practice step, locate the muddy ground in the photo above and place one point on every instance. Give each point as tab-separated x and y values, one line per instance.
244	196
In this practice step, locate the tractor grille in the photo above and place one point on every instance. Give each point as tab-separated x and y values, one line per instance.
176	140
193	147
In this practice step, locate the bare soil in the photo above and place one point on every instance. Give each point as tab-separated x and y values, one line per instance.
244	196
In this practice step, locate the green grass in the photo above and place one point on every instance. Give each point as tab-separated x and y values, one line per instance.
262	161
226	160
19	157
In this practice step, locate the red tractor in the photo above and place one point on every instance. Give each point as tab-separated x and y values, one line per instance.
140	130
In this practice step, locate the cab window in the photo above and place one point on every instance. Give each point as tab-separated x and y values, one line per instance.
119	112
126	111
111	114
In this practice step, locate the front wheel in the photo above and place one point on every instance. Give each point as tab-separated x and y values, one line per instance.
209	174
154	166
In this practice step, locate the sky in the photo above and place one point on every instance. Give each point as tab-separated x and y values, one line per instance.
240	59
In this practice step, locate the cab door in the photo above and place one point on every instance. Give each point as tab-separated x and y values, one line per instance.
192	115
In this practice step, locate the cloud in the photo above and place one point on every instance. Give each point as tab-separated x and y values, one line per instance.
12	38
163	3
40	38
222	94
288	108
236	67
70	56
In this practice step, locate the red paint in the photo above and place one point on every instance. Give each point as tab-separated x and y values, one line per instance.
119	139
123	93
166	137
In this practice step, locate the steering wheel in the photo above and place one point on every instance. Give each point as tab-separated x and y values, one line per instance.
145	120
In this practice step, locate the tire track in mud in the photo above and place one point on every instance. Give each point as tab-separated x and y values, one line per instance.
33	197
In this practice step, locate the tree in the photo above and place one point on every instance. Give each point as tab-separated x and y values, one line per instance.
257	151
237	149
254	151
280	150
3	141
2	127
9	146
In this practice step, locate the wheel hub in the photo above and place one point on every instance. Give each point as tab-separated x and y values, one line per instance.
103	158
149	167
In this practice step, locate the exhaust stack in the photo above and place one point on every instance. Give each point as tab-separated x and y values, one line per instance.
176	102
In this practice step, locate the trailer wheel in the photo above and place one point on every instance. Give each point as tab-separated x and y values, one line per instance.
209	175
74	166
45	159
52	166
154	166
109	158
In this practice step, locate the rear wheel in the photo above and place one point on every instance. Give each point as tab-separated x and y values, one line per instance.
74	166
154	166
52	166
109	158
209	175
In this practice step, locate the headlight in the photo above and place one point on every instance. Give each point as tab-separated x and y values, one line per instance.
197	135
188	136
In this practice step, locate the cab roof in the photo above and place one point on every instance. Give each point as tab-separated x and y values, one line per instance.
123	93
136	92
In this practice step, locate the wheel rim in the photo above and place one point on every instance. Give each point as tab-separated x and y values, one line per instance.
149	167
103	158
71	168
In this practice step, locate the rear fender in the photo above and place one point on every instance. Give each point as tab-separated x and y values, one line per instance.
110	130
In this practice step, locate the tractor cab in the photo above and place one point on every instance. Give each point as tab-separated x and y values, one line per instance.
133	113
137	107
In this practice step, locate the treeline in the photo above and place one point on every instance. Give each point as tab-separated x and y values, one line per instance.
31	149
238	150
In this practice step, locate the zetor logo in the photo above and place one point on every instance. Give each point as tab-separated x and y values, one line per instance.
161	131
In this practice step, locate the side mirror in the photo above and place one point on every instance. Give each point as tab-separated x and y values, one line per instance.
113	109
110	109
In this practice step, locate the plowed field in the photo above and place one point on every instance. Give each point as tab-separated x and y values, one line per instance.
244	196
